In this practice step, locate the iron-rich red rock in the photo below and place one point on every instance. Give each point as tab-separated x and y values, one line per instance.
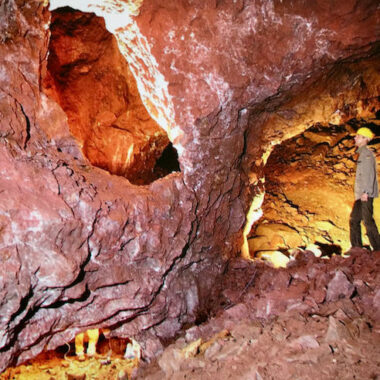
81	247
339	287
322	338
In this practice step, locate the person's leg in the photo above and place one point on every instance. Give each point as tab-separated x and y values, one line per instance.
93	336
370	224
355	228
79	347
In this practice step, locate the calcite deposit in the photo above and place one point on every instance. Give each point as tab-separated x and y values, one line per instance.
81	247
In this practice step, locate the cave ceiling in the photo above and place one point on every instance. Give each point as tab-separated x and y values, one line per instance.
81	246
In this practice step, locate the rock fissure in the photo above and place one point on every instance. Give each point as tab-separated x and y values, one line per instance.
25	313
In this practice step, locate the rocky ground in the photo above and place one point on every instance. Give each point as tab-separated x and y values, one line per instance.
72	369
291	346
318	318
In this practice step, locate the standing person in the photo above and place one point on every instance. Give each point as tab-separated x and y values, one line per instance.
366	188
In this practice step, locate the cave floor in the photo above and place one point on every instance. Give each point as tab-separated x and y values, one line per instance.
103	367
315	319
291	346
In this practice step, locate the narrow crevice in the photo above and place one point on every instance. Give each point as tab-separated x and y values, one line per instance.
27	128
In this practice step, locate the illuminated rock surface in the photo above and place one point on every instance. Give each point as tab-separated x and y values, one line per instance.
309	176
309	183
83	248
92	82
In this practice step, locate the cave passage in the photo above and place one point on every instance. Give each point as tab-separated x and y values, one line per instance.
309	183
90	79
108	363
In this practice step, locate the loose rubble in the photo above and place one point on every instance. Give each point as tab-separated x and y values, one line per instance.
316	319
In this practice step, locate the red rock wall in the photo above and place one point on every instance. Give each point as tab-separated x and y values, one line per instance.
236	55
80	247
90	79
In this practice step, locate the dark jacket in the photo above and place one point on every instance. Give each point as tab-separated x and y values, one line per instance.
366	174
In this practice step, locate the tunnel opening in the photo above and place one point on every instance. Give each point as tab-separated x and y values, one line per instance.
91	80
109	362
309	182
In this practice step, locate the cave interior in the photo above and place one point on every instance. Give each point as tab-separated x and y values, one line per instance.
190	234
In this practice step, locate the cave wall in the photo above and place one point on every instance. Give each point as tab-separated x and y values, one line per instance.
66	226
309	181
347	90
91	81
81	247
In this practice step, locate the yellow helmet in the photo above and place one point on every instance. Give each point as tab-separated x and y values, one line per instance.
366	132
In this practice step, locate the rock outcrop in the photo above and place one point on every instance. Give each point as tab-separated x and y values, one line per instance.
81	247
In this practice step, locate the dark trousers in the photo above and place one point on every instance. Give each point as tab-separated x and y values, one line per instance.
363	211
